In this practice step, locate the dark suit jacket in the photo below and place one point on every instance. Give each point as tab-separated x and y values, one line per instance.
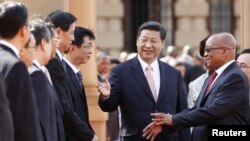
7	127
49	107
227	102
76	129
78	97
23	105
130	91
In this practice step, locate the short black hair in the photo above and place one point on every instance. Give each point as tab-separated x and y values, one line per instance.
245	51
202	46
152	25
61	19
115	61
40	31
51	28
80	33
13	16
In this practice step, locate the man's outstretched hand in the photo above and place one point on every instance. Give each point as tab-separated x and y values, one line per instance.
104	87
155	127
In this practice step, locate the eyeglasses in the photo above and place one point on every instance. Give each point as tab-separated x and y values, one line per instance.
56	39
31	47
209	48
243	65
87	47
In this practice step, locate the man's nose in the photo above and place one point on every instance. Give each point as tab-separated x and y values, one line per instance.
148	44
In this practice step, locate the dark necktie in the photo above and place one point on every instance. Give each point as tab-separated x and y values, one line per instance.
211	82
64	65
79	78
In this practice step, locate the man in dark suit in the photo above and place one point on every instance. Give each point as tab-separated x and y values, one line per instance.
76	129
79	53
7	127
244	62
14	33
49	106
140	91
223	101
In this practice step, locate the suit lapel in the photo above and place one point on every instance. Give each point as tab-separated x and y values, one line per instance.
217	81
73	78
8	50
140	77
202	92
163	80
220	78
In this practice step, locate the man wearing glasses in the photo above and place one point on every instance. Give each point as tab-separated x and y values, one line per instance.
223	101
244	62
79	53
76	129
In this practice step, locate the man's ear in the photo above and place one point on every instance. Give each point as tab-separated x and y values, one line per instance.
163	44
24	32
137	42
59	31
43	44
71	48
21	52
225	52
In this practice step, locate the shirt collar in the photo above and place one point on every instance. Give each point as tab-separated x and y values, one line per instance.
74	68
59	54
37	64
222	68
11	46
144	65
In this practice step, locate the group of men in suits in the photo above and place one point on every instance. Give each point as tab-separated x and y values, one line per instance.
223	101
14	33
33	108
223	98
47	101
76	123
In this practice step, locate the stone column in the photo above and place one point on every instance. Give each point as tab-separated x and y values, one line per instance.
85	11
245	22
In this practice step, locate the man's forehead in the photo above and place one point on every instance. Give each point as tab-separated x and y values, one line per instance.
244	58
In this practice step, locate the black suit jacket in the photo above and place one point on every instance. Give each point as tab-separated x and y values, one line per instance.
78	97
19	91
130	91
75	127
227	102
7	127
49	107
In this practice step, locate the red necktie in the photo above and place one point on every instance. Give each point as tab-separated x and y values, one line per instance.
211	82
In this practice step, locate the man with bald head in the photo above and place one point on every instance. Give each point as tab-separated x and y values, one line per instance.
223	101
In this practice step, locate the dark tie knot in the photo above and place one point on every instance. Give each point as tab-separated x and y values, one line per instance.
64	64
79	77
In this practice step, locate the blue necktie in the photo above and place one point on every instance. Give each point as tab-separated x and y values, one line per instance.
79	78
64	65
